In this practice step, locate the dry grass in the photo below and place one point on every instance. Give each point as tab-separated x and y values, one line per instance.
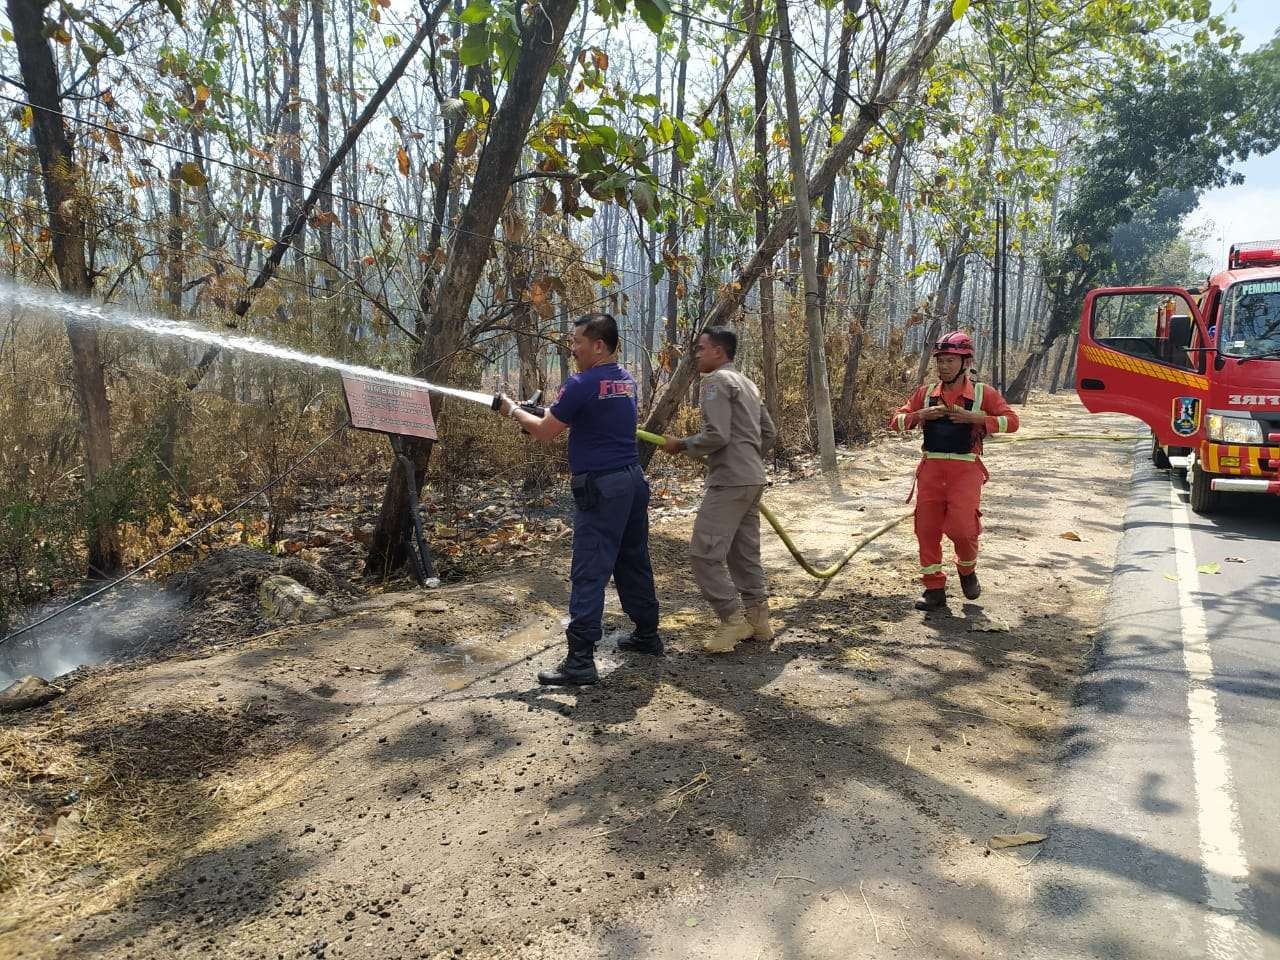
87	812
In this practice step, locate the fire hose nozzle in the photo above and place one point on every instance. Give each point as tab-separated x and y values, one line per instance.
532	404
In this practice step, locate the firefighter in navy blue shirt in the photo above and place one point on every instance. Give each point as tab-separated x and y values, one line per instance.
597	406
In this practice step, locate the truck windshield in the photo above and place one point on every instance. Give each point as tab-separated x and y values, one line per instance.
1251	319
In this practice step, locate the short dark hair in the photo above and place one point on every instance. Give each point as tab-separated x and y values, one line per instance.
599	326
722	337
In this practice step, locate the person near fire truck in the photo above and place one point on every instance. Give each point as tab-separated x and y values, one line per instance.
954	413
597	405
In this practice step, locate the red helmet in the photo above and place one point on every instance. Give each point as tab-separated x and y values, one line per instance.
957	344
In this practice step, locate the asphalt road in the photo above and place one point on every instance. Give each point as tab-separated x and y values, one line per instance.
1166	838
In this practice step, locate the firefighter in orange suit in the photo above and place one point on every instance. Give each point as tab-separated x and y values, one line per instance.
955	414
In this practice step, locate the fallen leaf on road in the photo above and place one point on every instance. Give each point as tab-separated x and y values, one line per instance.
1071	535
1171	576
1235	559
1003	840
988	625
1209	568
691	922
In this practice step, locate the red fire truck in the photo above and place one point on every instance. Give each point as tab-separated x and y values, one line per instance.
1201	368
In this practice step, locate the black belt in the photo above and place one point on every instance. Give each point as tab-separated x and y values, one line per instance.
605	473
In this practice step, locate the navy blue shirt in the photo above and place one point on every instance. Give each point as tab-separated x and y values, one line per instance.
599	407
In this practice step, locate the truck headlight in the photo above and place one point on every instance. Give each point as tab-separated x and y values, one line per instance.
1224	429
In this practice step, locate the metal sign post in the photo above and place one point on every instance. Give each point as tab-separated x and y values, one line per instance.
399	412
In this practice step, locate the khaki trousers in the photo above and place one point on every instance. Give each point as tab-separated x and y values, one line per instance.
725	550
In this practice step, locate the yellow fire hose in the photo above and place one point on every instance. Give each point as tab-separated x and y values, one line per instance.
829	572
809	568
1125	438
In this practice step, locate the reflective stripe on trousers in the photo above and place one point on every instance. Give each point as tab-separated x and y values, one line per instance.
949	495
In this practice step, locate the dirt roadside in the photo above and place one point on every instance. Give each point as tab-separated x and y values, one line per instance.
393	783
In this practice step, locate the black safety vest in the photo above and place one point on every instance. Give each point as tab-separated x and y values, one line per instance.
948	436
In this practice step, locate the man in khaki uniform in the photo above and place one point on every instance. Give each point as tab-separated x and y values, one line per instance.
725	551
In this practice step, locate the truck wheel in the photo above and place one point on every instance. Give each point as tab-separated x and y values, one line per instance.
1158	455
1204	499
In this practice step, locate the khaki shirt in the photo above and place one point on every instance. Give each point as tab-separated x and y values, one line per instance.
736	430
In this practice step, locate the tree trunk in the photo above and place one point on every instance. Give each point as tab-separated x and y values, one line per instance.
731	297
941	310
1073	352
325	203
292	151
59	172
768	332
172	411
839	100
812	297
1020	389
469	251
671	246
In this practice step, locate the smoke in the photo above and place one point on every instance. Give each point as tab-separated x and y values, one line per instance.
128	622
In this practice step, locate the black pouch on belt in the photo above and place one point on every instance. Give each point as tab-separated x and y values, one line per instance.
586	495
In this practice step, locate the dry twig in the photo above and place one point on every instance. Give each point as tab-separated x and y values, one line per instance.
874	925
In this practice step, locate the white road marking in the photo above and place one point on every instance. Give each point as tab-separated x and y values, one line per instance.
1228	934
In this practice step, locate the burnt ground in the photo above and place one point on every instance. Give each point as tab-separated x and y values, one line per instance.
394	783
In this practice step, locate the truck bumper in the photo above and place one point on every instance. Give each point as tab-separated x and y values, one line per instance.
1245	485
1239	461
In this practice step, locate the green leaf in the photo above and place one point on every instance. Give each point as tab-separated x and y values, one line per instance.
475	47
107	36
645	199
6	35
174	7
653	13
1209	568
508	45
958	7
477	11
477	105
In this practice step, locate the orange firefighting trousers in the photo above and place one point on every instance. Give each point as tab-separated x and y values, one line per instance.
948	497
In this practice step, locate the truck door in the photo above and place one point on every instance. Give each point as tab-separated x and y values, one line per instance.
1142	352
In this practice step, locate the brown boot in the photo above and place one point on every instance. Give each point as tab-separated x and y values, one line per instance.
732	630
758	617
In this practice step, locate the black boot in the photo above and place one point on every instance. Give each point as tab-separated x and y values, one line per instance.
638	643
578	669
933	599
970	585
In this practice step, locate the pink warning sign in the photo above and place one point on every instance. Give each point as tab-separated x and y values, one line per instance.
389	407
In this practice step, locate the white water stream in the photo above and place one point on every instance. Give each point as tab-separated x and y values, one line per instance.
68	308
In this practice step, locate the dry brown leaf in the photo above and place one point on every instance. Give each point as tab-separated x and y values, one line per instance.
1002	841
1071	535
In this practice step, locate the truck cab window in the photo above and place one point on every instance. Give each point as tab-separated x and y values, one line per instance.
1150	326
1250	322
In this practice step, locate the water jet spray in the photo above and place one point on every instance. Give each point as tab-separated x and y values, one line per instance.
81	311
